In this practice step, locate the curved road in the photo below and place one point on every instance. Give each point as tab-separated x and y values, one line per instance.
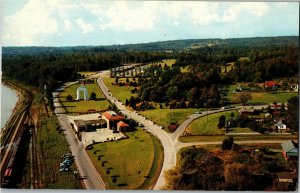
169	141
168	144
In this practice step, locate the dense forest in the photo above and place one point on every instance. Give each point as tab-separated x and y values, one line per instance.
236	170
266	58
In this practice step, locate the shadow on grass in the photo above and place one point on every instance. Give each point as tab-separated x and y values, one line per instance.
123	184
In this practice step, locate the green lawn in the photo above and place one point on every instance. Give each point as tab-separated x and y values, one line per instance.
83	106
130	160
169	62
87	73
52	145
120	92
228	67
220	138
264	97
209	125
164	117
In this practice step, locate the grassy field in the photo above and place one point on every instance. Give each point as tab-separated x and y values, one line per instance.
220	138
120	92
86	73
82	106
169	62
52	145
228	67
202	127
129	160
267	98
164	117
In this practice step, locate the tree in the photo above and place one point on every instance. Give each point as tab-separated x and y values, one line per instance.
244	97
172	92
236	176
221	123
69	98
293	113
93	96
228	143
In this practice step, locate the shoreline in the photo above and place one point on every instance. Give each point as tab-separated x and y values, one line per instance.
17	106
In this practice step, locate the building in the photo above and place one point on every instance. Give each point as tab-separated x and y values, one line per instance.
270	84
280	126
112	118
80	125
121	126
289	149
247	111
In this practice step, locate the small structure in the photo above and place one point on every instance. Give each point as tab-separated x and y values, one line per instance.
280	126
286	177
85	93
270	84
112	118
121	126
294	87
80	125
247	111
289	149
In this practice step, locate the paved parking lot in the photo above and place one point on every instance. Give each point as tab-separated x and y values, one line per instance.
100	135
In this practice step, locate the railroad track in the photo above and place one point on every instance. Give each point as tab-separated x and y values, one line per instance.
11	144
35	162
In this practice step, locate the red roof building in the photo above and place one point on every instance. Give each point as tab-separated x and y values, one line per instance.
121	126
112	118
270	84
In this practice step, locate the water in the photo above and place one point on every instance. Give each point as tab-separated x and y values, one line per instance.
9	99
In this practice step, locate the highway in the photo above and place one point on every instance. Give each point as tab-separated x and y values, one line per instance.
91	178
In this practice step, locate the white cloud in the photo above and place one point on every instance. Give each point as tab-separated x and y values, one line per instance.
122	17
234	12
86	27
40	19
68	25
23	27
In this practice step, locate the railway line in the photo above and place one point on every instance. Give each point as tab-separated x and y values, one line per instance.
11	142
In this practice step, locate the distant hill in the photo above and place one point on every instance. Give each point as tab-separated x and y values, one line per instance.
172	45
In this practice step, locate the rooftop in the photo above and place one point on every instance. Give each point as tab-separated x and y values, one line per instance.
112	116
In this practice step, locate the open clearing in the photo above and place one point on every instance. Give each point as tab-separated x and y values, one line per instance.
164	117
208	125
266	98
74	107
129	161
120	92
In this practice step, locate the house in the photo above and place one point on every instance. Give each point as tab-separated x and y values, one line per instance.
280	126
270	84
294	87
112	118
247	111
286	177
289	149
121	126
80	125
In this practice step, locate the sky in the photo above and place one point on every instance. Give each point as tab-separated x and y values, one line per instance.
96	22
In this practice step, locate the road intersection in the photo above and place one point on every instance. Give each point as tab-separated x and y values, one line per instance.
169	141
